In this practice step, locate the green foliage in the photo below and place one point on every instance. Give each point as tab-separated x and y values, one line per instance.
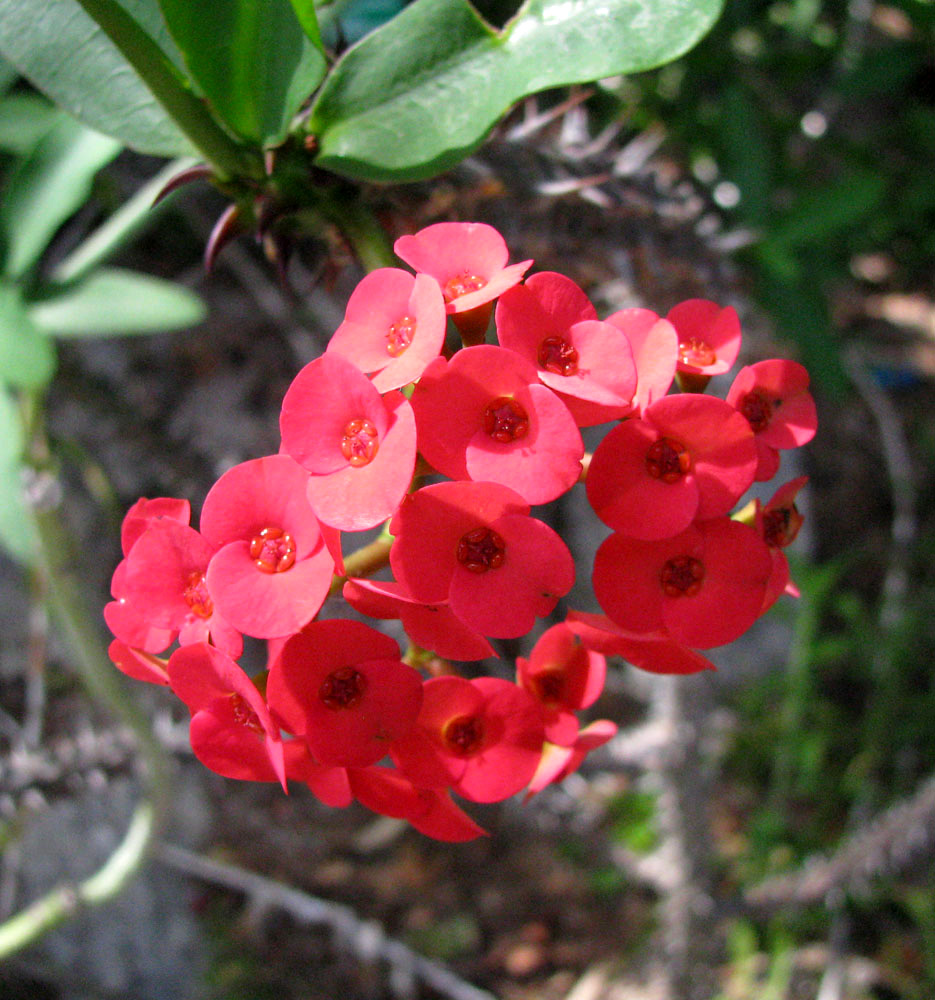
634	821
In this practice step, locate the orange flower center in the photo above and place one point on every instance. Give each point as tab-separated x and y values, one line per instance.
272	550
359	444
668	460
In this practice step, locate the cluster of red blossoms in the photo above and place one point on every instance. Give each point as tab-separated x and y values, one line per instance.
497	428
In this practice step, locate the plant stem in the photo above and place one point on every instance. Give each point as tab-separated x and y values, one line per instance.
229	158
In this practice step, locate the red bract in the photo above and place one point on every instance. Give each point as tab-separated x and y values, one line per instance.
655	652
394	325
272	570
430	811
778	523
467	259
232	731
709	337
485	416
689	457
482	738
359	447
563	676
655	346
136	663
475	546
431	626
773	396
165	574
551	323
342	686
705	586
557	762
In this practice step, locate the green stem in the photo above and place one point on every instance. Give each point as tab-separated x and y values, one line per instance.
228	158
360	228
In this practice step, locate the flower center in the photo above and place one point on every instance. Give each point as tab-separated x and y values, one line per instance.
244	714
197	597
682	576
359	444
556	355
462	284
668	460
463	735
549	686
272	550
342	688
696	352
480	550
781	525
757	409
399	336
505	420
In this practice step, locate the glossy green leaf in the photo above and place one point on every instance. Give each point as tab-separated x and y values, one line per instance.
57	46
46	188
24	120
420	93
255	65
27	358
113	302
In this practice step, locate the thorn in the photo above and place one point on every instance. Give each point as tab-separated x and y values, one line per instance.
200	171
225	229
269	161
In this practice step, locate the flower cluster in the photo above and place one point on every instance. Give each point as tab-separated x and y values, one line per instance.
449	450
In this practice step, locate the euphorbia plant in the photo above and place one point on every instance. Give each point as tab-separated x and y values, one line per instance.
340	707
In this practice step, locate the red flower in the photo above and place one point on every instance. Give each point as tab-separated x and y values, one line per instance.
359	447
137	663
709	337
272	570
778	523
474	546
342	686
705	586
482	738
232	731
467	259
689	457
655	346
589	364
557	762
563	676
394	325
773	396
431	626
485	416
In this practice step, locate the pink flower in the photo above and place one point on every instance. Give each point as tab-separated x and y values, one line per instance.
557	762
655	346
359	446
704	587
272	570
773	396
485	416
341	685
394	325
589	364
482	738
232	732
778	523
137	663
689	457
709	337
474	546
564	677
467	259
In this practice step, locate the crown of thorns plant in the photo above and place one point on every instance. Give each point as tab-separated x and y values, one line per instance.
449	451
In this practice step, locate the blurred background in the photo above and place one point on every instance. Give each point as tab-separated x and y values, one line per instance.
767	832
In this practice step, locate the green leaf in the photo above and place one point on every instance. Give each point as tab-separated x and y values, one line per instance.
18	535
419	94
24	120
113	302
27	358
255	65
46	188
307	16
57	46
